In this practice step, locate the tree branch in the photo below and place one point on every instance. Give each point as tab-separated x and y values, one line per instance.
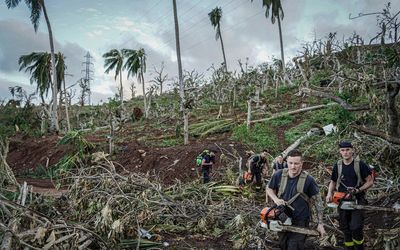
377	133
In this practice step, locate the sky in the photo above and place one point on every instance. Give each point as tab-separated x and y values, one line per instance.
97	26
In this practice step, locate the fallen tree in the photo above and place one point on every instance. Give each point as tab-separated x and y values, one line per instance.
292	112
337	99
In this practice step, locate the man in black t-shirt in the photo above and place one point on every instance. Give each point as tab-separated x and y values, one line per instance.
285	184
350	175
256	164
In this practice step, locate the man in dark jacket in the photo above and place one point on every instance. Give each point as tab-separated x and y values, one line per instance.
279	163
295	187
255	166
206	165
350	175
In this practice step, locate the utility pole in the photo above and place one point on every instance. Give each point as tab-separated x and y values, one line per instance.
86	79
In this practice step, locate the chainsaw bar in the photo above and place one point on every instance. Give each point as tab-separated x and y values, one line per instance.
366	207
277	227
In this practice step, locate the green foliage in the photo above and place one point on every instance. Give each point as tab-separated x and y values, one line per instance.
170	142
318	76
281	121
25	118
324	149
206	128
286	89
259	137
333	114
65	164
292	134
76	139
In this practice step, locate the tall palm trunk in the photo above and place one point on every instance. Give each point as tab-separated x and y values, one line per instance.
222	46
66	108
281	44
121	92
146	111
53	117
181	90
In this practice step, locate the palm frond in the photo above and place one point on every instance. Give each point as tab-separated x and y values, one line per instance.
35	7
12	3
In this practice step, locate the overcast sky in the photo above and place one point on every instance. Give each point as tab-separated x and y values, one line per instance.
96	26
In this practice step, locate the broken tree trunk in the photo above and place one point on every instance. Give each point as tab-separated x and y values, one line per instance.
6	173
392	113
339	100
274	116
248	114
295	144
6	244
380	134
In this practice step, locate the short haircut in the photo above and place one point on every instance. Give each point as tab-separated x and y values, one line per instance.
295	153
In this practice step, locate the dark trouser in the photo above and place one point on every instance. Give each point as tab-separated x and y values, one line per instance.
206	173
256	173
351	222
293	241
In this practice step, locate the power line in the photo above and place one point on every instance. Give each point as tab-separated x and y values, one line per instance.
205	17
228	29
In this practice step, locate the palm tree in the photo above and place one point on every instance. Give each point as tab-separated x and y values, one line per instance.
36	7
114	60
38	65
181	87
215	18
275	7
61	67
136	66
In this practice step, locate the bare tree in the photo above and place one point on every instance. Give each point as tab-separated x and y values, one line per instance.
160	77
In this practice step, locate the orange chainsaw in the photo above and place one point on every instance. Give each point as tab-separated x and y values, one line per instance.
276	219
343	200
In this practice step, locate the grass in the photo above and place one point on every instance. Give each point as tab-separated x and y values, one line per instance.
260	137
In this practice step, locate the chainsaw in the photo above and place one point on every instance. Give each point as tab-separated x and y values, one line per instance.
276	219
344	201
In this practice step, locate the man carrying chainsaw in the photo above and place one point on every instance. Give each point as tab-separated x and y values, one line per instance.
294	190
255	166
351	177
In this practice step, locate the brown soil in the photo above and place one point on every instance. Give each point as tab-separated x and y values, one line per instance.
168	164
27	153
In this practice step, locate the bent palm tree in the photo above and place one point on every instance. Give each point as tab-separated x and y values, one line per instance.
36	7
114	60
38	65
215	18
136	66
275	7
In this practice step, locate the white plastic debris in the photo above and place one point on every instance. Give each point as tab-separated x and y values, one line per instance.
144	234
329	129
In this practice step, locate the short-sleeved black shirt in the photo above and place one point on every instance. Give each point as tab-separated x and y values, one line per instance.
278	166
301	207
349	176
